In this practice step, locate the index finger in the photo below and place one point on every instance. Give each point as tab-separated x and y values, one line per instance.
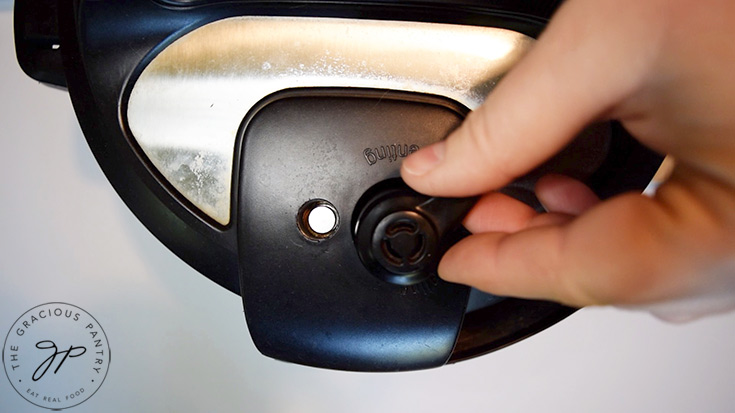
578	70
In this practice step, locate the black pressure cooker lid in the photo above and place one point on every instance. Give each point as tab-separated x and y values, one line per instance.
261	142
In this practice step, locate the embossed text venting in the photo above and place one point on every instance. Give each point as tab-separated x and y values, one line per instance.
389	152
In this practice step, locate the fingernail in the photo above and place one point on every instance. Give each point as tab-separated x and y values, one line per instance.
422	162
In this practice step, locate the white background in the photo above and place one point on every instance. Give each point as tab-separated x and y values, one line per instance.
179	342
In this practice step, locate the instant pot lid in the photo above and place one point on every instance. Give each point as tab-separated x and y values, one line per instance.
225	126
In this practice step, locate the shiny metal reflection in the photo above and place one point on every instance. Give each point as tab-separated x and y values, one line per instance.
317	220
185	108
322	219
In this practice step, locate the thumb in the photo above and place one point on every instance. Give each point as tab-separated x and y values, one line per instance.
580	68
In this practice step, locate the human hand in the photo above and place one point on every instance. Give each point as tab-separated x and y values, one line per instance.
666	70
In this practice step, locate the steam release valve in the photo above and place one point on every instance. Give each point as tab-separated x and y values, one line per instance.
400	235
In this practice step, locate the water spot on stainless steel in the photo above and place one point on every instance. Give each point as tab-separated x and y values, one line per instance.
195	174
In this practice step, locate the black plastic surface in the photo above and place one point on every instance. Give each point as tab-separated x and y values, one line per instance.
314	302
37	45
